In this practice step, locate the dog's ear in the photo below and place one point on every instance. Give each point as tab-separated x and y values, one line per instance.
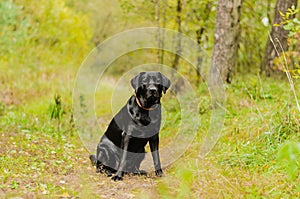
165	83
135	81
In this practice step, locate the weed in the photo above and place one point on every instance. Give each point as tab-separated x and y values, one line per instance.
14	185
56	111
2	108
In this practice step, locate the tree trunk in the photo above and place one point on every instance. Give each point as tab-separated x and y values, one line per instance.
199	33
162	52
226	39
178	39
279	33
158	58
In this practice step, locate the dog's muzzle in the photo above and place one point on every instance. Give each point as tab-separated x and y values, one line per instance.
152	91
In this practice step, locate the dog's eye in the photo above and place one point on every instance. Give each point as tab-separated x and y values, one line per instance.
158	81
144	81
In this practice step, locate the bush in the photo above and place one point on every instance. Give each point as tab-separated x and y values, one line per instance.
42	30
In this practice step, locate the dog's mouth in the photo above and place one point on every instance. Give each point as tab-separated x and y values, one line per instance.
152	95
152	100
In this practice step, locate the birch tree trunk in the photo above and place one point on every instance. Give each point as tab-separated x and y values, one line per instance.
226	39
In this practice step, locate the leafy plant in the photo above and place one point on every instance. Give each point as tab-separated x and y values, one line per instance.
2	108
289	158
55	110
14	185
184	175
291	57
290	24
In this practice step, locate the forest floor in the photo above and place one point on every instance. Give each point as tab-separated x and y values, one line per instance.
40	160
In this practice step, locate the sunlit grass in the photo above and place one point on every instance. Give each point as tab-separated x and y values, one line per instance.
257	156
244	162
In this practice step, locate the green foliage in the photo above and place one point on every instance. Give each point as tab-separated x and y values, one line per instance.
2	108
293	26
126	6
270	127
253	35
184	177
204	105
292	59
196	17
289	23
9	13
49	26
14	185
13	28
55	109
289	158
255	91
40	38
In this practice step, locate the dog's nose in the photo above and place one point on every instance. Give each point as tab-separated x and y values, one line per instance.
152	88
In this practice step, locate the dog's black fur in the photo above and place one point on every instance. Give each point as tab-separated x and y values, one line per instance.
122	147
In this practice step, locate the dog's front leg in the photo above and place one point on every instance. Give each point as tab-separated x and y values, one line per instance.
124	146
154	146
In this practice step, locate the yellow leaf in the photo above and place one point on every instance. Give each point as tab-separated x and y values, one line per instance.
281	13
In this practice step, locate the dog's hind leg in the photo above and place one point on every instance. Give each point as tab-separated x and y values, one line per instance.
98	164
93	160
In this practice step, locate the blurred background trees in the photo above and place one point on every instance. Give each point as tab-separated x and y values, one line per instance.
42	30
69	29
43	43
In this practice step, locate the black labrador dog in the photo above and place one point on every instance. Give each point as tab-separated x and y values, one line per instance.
122	147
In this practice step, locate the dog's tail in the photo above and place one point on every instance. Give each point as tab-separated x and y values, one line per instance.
93	160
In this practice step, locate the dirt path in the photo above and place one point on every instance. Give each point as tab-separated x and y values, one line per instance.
89	183
58	181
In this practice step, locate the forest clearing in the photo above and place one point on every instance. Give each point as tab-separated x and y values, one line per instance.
232	108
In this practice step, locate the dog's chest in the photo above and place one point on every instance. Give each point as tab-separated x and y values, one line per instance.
136	129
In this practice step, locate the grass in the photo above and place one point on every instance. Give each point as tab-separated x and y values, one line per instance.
257	156
246	163
38	159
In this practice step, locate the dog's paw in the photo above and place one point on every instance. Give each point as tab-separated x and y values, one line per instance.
99	167
140	172
100	170
159	173
108	173
117	178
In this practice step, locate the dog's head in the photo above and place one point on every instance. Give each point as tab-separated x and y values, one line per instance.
149	87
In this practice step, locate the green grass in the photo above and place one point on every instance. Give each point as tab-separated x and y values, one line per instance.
38	158
255	157
258	155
